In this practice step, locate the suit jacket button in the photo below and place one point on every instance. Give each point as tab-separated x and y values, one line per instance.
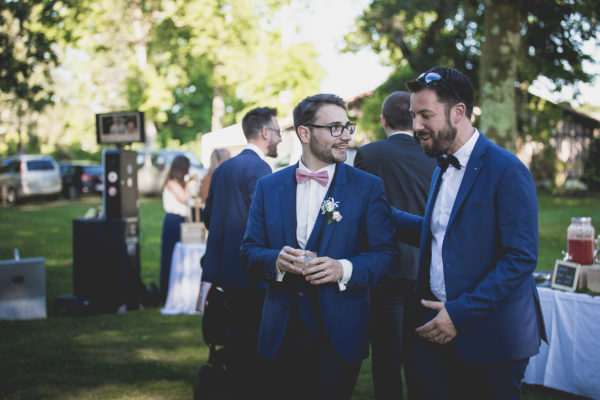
300	294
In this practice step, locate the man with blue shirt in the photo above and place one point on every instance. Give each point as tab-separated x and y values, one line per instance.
231	190
478	317
314	330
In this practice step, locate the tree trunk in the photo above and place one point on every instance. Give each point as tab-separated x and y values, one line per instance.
498	73
218	109
141	33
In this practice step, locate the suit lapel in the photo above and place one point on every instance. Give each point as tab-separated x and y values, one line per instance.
287	204
472	171
338	192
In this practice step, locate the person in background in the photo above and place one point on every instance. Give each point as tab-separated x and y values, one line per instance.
479	317
117	127
216	158
131	127
176	195
225	214
406	173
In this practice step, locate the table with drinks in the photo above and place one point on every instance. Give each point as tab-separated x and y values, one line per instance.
569	360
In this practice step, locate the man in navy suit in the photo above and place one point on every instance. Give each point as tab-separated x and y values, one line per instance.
231	190
406	173
314	331
479	316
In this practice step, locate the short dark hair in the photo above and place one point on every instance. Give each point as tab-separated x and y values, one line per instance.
453	88
396	112
305	111
256	119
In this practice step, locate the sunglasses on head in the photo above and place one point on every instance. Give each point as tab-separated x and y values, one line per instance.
433	79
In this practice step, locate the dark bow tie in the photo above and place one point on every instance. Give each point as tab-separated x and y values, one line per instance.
302	176
443	161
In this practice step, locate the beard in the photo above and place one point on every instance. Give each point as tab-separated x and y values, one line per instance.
439	141
272	150
324	152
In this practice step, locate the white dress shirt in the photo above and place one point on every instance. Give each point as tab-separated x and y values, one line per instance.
309	197
442	209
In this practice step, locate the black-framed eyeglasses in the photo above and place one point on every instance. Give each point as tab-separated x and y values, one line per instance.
274	130
337	129
433	79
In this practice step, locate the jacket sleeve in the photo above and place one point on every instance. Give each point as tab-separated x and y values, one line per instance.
256	257
380	253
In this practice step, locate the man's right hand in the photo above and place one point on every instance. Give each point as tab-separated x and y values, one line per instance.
286	258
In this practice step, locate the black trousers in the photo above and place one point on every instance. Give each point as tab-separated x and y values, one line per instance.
245	367
389	306
307	367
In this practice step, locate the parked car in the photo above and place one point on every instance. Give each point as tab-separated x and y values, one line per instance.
81	177
153	168
27	175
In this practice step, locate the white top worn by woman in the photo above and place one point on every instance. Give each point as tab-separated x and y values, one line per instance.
172	205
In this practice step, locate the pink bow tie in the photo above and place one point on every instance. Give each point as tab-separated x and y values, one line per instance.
303	175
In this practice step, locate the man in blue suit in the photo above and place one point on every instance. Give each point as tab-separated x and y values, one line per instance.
314	331
231	190
479	317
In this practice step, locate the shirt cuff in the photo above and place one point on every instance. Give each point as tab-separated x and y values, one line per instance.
280	273
347	266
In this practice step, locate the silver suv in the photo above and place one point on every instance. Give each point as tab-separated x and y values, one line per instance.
26	175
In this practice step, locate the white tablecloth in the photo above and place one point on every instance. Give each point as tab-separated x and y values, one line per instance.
184	280
571	360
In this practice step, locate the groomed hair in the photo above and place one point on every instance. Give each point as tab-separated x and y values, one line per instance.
305	111
395	110
454	87
179	168
256	119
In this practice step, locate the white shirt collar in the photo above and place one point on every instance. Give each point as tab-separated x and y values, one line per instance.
401	132
255	149
465	151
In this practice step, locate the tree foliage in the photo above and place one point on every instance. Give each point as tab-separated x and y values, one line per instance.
423	34
168	58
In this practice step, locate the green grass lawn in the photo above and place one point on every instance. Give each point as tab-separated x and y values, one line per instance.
143	354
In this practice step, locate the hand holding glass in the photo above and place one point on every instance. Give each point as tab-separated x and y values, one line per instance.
305	257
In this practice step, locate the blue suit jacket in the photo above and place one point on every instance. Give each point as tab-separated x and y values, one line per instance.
230	193
364	236
489	253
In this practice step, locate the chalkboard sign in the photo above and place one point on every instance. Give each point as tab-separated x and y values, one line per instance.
566	275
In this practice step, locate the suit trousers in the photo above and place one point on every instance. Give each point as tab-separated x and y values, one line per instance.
388	309
245	365
437	372
307	366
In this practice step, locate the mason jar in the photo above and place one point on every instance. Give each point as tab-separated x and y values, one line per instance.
580	241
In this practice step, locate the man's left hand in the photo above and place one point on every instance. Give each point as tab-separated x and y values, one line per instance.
322	270
440	329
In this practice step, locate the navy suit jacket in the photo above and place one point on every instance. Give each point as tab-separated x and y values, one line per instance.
230	193
489	252
364	236
406	172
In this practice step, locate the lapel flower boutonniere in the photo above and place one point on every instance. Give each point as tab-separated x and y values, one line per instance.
329	208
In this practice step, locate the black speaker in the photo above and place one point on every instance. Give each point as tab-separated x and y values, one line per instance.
120	196
106	264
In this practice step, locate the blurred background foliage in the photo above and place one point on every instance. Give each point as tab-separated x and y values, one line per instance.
194	66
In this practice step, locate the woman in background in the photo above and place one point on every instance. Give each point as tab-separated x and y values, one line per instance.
216	158
176	194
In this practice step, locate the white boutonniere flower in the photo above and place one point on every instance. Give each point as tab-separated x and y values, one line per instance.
329	208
